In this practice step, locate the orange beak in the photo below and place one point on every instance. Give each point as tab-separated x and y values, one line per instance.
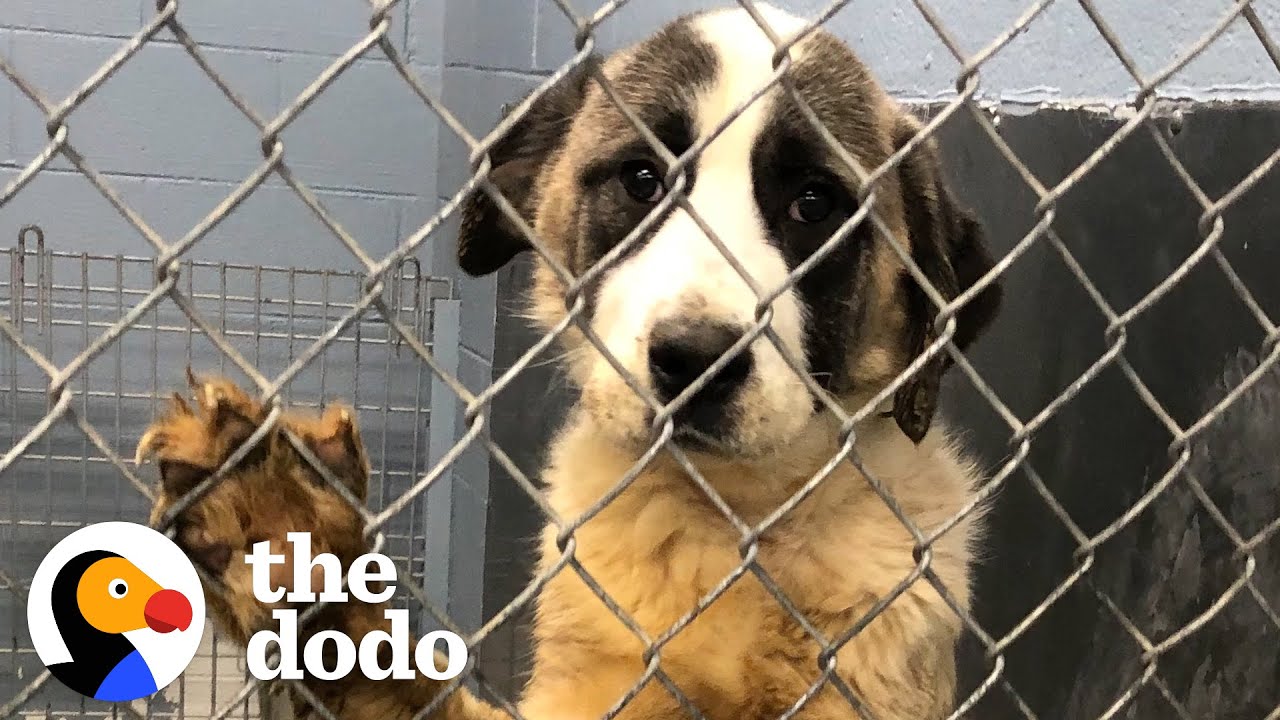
167	610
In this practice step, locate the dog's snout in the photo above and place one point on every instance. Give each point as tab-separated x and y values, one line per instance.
680	353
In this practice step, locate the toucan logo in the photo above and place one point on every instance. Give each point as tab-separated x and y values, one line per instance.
116	611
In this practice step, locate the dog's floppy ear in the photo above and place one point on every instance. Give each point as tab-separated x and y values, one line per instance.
947	243
488	239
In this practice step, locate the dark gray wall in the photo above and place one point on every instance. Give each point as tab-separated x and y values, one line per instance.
1129	224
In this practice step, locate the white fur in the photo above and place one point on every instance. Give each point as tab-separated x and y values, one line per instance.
680	271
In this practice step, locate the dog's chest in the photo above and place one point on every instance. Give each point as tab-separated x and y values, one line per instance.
672	567
675	569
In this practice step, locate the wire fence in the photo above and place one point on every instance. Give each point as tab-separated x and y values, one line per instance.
169	304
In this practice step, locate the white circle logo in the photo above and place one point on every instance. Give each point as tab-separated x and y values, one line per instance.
116	611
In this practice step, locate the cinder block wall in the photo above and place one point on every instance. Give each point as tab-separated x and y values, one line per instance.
173	146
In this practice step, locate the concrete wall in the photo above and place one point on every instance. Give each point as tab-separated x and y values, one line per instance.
173	146
1060	58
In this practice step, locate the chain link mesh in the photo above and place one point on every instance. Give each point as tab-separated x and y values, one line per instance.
168	291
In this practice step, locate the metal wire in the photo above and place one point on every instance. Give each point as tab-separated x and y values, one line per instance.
169	303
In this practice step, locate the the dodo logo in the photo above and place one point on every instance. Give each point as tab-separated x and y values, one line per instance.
116	611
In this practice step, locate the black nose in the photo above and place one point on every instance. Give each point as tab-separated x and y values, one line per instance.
680	353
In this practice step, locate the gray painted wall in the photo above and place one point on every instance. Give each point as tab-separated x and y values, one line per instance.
1060	58
173	146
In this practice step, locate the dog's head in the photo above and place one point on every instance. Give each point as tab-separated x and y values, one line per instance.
772	191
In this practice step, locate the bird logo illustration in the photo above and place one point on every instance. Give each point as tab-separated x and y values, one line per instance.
116	612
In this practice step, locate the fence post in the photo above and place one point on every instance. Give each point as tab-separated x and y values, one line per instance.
454	533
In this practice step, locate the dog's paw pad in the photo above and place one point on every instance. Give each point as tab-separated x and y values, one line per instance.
334	438
201	545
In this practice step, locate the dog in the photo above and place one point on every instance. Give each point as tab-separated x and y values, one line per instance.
668	309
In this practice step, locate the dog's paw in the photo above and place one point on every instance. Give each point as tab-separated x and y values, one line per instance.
190	440
272	491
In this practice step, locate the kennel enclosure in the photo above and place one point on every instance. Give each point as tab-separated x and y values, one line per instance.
1135	235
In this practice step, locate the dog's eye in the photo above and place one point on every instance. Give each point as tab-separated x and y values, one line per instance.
642	181
814	204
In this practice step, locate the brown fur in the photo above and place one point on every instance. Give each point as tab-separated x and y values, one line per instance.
660	547
271	492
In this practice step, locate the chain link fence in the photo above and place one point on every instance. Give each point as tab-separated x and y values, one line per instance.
52	401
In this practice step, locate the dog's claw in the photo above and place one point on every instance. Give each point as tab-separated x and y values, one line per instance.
180	404
212	398
146	446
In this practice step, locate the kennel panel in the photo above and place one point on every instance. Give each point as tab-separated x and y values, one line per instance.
61	302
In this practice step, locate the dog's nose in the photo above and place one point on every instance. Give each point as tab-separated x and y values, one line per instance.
680	353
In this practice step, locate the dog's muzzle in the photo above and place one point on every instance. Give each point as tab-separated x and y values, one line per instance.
682	352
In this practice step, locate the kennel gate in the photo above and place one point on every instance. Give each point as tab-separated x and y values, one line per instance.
61	300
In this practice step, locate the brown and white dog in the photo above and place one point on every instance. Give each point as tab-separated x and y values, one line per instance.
667	309
772	192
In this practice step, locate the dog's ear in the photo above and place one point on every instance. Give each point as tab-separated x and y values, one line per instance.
947	243
488	239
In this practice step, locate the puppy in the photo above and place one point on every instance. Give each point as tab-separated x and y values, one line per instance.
666	308
669	305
